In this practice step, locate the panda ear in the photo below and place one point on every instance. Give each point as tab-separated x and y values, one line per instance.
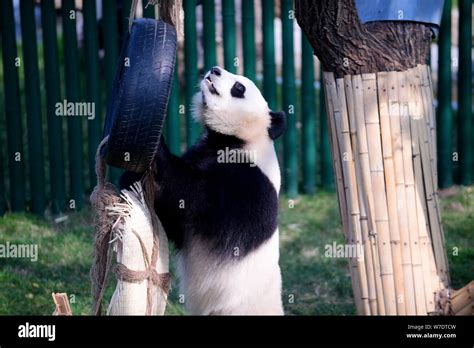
278	124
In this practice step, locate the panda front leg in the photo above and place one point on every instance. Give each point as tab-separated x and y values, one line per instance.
163	158
177	185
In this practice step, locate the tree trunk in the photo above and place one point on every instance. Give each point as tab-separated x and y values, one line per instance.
379	101
344	45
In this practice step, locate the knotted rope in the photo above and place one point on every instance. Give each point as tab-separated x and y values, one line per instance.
103	198
160	280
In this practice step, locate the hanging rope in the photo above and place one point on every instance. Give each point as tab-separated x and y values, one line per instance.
169	11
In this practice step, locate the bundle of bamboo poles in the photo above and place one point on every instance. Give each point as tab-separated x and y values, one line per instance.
382	130
462	301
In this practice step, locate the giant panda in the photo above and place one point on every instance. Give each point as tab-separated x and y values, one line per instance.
222	215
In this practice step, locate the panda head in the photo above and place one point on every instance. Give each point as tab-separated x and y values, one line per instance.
232	105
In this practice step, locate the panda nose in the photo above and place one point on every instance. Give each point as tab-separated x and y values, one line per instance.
216	71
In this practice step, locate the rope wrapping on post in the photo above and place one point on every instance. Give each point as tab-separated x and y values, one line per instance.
128	225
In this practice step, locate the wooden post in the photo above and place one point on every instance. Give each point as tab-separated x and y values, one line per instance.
209	33
191	72
248	39
73	95
33	108
91	48
53	95
308	128
16	168
290	175
228	33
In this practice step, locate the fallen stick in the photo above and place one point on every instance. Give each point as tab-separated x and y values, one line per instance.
61	302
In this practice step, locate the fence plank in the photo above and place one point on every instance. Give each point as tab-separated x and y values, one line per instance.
73	95
308	117
3	192
464	120
327	176
191	72
126	6
91	48
12	108
269	66
445	115
228	34
289	101
209	33
248	38
2	177
53	96
110	21
33	108
173	134
109	10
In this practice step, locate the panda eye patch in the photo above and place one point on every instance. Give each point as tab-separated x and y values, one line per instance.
237	90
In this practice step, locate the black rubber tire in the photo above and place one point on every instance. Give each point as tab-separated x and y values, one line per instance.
137	107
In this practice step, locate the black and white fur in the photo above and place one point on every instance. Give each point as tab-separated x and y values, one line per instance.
223	216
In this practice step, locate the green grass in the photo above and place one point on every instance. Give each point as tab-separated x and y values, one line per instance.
312	283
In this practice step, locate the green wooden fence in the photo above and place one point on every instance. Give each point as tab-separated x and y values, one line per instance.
47	161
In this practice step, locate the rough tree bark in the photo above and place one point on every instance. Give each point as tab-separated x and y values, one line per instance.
344	45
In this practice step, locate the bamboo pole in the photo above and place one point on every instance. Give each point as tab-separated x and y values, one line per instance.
391	192
290	136
343	135
432	119
410	195
421	212
437	235
462	302
381	128
467	310
427	158
378	184
362	202
333	108
335	149
397	152
367	185
421	195
437	252
427	135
